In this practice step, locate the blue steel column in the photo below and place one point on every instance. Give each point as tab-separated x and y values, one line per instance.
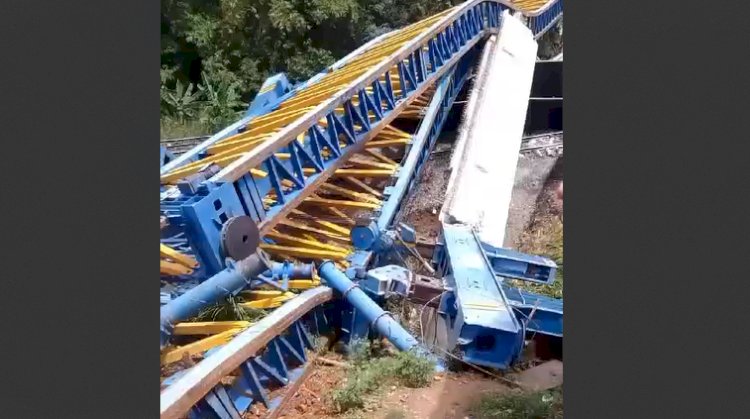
380	319
212	290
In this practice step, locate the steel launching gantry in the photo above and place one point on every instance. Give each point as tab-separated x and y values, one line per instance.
292	209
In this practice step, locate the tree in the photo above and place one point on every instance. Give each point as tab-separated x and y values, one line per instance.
229	47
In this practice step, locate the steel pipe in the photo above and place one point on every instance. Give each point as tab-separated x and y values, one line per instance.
380	319
210	291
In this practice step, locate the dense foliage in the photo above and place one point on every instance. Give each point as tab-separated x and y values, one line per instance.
216	53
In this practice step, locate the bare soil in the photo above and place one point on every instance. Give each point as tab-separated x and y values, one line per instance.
450	396
423	208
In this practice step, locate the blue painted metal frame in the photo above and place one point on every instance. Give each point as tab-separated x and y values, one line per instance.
417	154
165	156
539	313
269	95
512	264
353	125
280	364
544	21
201	223
478	317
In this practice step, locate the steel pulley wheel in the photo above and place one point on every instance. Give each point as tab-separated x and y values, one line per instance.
239	237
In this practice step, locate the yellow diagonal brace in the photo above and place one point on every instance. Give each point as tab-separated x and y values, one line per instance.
341	214
382	157
359	196
174	269
195	348
208	328
302	242
341	203
271	302
327	224
303	252
262	294
304	227
303	284
371	164
365	187
387	143
184	260
362	173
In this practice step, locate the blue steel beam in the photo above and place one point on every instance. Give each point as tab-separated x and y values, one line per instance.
424	140
194	392
545	18
446	42
476	311
417	155
539	313
512	264
226	282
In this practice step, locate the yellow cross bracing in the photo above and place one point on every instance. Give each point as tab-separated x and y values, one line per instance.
263	127
528	6
414	110
173	354
318	229
175	263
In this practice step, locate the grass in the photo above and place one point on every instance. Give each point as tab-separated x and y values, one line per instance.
372	373
230	310
519	405
545	239
172	129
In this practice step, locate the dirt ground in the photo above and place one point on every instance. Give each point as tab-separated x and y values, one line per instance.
450	396
423	209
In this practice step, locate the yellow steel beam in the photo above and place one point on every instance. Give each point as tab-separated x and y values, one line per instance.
529	6
307	228
304	242
174	269
198	347
382	157
371	164
341	214
184	260
208	328
365	187
261	294
362	173
269	302
387	143
262	128
341	203
303	284
303	252
327	224
348	193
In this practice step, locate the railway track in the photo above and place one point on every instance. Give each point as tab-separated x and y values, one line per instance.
345	147
542	145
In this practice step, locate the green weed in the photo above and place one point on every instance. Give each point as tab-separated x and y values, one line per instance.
371	373
518	405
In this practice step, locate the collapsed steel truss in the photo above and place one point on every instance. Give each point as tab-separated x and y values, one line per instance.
285	155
